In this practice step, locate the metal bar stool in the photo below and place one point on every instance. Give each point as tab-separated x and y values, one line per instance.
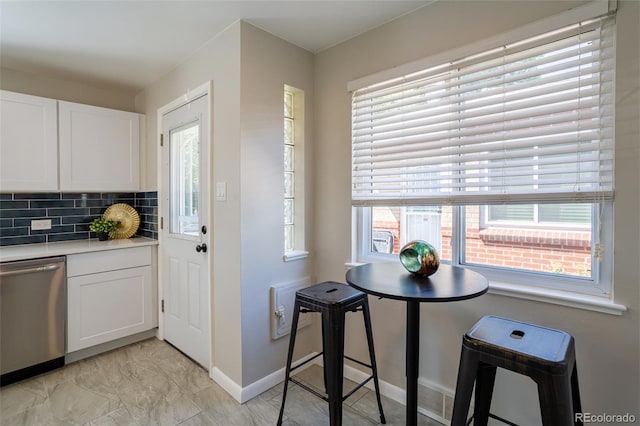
333	300
545	355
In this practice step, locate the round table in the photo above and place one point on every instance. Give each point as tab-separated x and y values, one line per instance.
390	280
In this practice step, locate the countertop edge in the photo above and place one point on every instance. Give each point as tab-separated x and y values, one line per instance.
63	248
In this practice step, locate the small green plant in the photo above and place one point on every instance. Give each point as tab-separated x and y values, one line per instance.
101	225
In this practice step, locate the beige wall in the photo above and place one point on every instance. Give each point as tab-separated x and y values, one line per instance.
218	61
267	64
64	90
248	68
607	346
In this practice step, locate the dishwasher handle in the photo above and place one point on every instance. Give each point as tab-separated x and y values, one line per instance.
36	269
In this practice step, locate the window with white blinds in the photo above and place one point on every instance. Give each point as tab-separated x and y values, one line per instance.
528	121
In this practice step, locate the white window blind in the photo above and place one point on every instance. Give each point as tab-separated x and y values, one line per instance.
529	121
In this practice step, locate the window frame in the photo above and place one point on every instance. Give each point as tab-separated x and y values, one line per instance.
533	224
599	297
600	285
298	121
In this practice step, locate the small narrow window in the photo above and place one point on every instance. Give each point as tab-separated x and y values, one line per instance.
294	240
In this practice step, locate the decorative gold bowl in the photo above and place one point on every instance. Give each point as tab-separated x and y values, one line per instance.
127	217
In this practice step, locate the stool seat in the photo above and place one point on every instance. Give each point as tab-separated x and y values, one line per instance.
522	343
329	295
544	354
333	300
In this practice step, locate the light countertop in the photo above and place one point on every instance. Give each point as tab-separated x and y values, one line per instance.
33	251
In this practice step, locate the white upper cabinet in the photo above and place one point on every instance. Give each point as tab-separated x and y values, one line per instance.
28	143
99	148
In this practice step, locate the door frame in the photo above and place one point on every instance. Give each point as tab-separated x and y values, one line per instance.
190	95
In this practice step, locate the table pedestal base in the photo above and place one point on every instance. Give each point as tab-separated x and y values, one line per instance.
412	360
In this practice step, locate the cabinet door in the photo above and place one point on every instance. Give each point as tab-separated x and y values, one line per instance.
108	306
28	143
99	148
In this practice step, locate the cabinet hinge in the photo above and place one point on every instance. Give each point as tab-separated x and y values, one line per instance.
162	305
161	139
161	222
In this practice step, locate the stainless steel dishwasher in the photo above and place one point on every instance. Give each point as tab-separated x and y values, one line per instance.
33	296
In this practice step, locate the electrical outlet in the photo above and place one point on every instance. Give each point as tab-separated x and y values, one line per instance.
40	224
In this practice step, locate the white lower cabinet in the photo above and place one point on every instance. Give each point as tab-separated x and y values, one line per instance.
110	295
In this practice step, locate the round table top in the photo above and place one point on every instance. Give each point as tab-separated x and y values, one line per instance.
390	280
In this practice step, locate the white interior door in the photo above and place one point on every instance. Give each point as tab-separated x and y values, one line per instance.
184	237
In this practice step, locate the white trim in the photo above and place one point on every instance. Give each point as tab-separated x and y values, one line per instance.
230	386
244	394
189	95
397	393
388	390
546	295
590	10
556	297
295	255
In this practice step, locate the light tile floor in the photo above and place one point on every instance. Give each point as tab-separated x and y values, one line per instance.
151	383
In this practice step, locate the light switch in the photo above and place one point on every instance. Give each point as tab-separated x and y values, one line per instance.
221	191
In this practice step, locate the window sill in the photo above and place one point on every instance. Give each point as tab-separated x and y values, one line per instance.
295	255
556	297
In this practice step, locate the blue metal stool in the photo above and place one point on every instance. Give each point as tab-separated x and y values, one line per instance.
544	354
333	300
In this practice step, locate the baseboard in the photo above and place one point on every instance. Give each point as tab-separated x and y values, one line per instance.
232	388
440	410
437	404
109	346
244	394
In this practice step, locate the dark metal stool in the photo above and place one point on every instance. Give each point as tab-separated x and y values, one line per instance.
544	354
333	300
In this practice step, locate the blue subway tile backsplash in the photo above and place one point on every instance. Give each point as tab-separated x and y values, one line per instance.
70	215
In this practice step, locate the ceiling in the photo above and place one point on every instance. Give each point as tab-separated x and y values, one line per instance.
129	44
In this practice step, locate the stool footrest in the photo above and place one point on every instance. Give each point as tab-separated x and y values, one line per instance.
358	362
307	388
355	389
305	362
493	416
505	421
324	397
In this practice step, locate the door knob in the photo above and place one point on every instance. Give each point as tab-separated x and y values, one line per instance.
201	248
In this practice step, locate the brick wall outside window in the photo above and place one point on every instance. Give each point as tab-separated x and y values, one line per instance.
536	249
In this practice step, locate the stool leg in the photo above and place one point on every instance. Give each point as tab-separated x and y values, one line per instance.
292	340
575	394
324	361
554	393
484	391
467	371
333	347
372	355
